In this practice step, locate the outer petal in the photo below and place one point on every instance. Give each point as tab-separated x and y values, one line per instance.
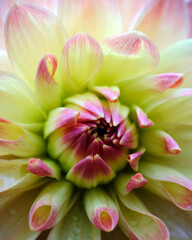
169	183
30	33
17	101
18	141
177	58
138	223
50	206
166	23
100	209
177	220
47	90
14	218
75	225
134	11
82	58
5	64
99	18
126	56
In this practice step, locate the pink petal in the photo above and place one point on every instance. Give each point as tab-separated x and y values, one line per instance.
109	93
136	181
166	23
39	168
133	159
142	118
90	171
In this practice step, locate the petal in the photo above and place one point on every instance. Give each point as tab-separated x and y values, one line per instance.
134	11
174	107
111	93
154	24
47	90
177	220
17	101
81	59
14	218
60	117
169	183
147	89
133	158
138	223
30	33
126	56
142	119
100	209
104	15
5	64
90	172
18	141
125	183
14	176
45	168
50	205
177	58
75	225
159	143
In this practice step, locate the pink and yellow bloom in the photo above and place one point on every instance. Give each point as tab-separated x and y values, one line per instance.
95	120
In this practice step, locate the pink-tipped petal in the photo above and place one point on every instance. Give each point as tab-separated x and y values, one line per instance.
159	143
82	58
111	93
127	56
134	219
17	141
136	181
90	171
100	209
169	183
133	159
26	25
47	90
142	119
105	219
129	138
103	17
154	24
49	207
39	168
171	145
60	118
89	102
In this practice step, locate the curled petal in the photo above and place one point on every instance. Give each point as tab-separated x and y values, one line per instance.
111	93
45	168
126	56
137	222
75	225
50	205
125	183
90	171
104	17
28	25
134	158
101	210
169	183
82	58
142	119
18	141
159	142
47	90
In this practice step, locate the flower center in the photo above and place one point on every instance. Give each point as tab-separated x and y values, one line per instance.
91	139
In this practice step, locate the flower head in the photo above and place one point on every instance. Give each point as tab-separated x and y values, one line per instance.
95	119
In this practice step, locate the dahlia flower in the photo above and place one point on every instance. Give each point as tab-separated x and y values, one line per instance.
96	120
